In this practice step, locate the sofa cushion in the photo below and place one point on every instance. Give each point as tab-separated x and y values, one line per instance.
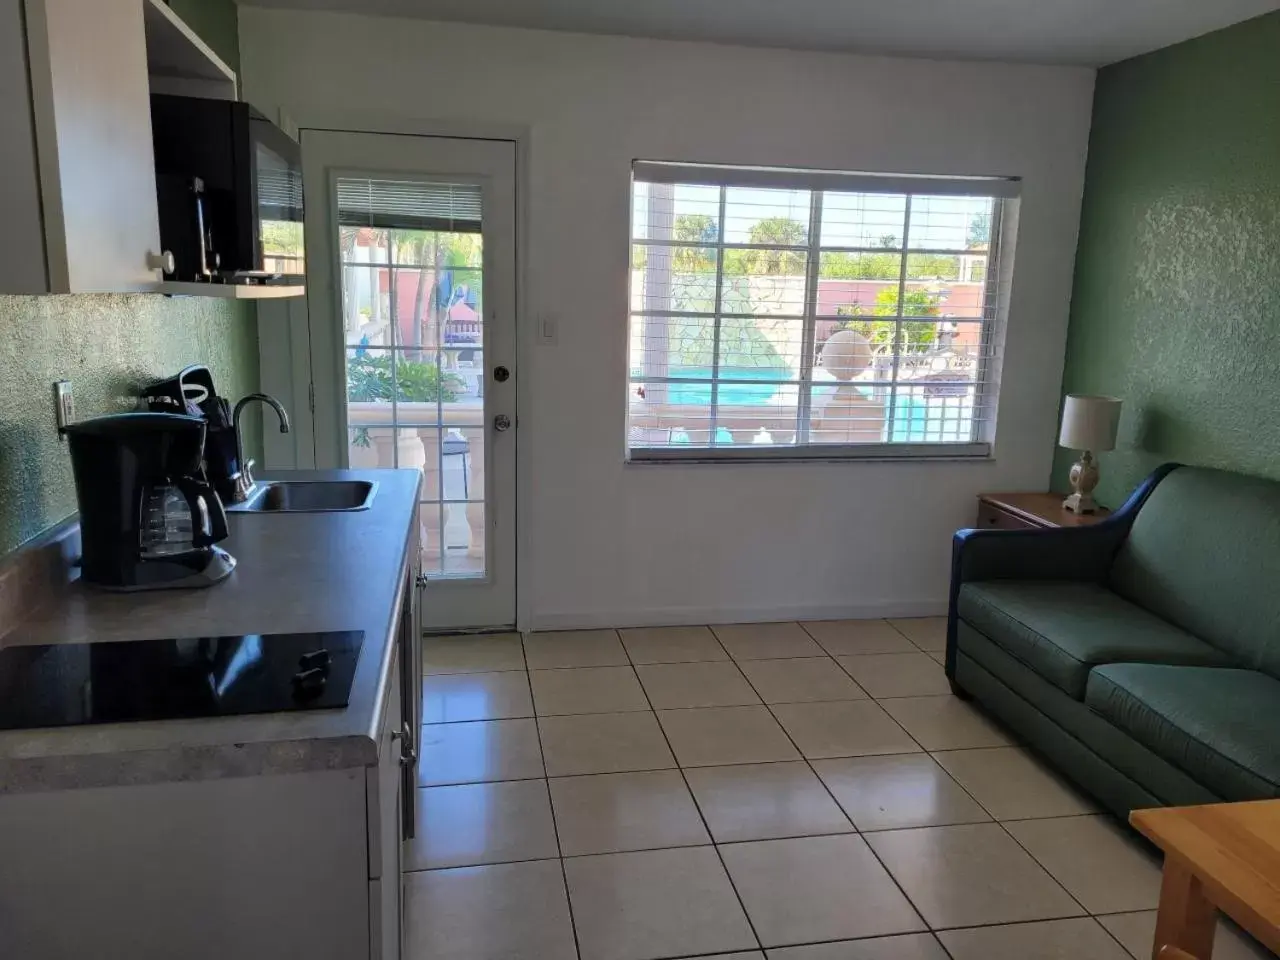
1162	782
1217	724
1062	629
1204	554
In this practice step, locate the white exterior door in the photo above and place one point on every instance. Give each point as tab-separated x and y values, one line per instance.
411	298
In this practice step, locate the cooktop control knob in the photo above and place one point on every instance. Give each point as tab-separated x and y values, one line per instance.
308	684
316	659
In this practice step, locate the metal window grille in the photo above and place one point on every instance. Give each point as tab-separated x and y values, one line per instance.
411	292
812	314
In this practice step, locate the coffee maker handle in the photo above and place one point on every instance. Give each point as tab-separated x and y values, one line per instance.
210	518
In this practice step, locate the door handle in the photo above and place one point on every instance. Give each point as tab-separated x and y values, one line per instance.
502	423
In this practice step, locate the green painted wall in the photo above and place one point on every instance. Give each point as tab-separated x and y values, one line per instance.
107	346
1176	306
216	23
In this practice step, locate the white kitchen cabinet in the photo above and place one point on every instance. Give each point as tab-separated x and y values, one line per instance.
256	868
238	868
262	867
78	196
81	117
385	805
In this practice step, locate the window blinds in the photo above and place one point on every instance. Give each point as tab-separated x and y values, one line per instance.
812	313
409	205
280	194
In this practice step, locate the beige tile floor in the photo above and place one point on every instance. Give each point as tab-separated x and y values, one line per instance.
795	791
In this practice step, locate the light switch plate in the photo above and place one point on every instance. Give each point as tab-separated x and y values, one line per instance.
547	328
64	406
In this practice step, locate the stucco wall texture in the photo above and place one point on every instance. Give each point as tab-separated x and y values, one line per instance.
107	346
1176	306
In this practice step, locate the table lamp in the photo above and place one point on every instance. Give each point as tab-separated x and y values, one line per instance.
1089	425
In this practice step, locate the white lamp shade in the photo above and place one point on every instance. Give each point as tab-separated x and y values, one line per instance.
1089	423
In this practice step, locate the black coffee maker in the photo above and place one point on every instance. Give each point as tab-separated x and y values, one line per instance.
148	519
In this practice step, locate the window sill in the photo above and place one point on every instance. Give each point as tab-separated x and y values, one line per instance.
874	452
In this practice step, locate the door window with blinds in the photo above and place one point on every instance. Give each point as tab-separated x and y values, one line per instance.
412	291
786	313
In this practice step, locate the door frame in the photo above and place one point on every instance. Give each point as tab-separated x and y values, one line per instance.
284	332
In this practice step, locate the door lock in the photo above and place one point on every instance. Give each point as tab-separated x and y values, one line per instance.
501	422
501	374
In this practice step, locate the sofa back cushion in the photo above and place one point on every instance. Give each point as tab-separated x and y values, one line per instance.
1204	554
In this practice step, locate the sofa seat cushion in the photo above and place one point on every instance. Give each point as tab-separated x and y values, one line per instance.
1063	629
1219	725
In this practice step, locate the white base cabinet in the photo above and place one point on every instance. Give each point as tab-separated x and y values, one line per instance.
245	868
304	865
386	818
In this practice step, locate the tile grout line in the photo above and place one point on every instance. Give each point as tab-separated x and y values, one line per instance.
876	937
944	771
988	812
856	831
903	633
1001	823
1123	948
555	828
980	804
1048	873
694	797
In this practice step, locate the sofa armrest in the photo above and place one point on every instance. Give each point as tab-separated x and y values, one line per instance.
1066	553
1063	553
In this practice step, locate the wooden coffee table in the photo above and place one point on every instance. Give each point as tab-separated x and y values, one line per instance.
1219	857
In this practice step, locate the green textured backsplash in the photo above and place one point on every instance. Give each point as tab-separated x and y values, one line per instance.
1176	306
107	346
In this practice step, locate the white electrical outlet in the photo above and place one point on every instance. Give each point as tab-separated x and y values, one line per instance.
64	406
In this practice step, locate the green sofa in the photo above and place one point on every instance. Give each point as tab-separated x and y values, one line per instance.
1140	655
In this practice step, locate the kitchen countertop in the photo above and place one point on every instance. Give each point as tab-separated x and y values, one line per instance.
295	572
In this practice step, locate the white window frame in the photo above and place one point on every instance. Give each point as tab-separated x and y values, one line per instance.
1005	190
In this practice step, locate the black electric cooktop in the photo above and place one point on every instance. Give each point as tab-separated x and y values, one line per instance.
68	684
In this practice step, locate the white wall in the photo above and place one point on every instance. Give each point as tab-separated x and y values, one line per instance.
607	543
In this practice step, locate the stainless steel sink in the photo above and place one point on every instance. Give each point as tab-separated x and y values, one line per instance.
308	496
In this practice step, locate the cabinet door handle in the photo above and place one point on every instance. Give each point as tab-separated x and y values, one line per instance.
408	755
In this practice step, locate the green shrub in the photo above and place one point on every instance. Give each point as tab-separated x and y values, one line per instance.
370	378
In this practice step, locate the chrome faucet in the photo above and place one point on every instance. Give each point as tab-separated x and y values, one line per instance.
244	479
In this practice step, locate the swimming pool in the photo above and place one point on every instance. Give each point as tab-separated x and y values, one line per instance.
698	391
918	418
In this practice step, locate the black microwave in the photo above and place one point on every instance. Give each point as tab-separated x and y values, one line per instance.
229	185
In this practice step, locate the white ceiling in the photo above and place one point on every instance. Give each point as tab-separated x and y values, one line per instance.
1088	32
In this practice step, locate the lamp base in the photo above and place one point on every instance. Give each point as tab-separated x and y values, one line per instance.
1080	503
1084	478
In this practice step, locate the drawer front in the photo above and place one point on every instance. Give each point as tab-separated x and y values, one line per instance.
993	518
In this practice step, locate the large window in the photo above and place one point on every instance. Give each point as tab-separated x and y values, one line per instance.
811	314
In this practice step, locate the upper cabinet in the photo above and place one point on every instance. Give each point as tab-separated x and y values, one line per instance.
78	195
83	113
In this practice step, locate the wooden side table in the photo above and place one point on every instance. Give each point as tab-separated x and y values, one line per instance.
1220	856
1024	511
